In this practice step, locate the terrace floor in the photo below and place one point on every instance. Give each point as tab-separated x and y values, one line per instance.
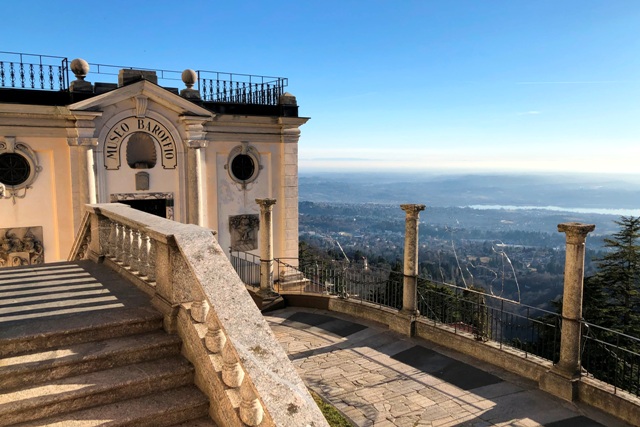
380	378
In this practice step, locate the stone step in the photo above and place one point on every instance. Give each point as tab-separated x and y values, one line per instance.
76	359
92	389
162	409
200	422
24	337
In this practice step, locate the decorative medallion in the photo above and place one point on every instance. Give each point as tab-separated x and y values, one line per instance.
21	246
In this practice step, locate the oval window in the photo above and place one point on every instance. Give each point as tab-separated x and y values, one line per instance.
242	167
243	164
14	169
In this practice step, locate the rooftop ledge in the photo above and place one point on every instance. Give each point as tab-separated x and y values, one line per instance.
52	80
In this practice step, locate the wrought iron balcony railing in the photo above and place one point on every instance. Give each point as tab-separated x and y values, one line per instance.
607	355
42	72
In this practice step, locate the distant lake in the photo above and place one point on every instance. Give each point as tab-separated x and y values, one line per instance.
617	212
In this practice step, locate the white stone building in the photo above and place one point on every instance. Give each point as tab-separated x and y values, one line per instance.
199	156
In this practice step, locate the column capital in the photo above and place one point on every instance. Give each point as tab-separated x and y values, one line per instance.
195	144
576	232
82	142
412	209
266	204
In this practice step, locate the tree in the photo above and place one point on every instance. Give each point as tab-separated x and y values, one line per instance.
618	280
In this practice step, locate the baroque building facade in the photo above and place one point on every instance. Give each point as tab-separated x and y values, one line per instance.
200	156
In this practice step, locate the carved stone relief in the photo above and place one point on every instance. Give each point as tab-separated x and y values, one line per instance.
21	246
244	232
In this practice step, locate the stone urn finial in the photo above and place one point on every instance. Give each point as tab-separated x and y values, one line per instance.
189	77
80	68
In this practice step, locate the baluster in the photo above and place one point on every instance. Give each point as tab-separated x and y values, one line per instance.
215	339
134	259
1	73
232	372
126	246
21	74
251	410
119	242
143	267
12	74
41	75
32	76
113	236
51	77
60	79
151	272
199	310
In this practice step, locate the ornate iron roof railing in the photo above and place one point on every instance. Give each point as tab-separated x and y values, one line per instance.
240	88
42	72
27	71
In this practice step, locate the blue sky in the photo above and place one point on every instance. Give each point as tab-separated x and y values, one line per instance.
441	85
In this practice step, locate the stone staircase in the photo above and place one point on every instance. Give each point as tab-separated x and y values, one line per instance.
81	347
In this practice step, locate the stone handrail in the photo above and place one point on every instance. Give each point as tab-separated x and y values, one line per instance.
238	361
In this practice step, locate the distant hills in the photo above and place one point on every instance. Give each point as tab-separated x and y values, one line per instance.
566	191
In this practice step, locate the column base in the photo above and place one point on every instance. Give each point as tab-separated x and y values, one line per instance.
405	322
559	384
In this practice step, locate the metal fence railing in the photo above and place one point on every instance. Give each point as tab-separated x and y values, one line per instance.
27	71
247	266
607	355
42	72
355	281
531	330
612	357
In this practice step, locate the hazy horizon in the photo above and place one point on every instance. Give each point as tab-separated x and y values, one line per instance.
448	85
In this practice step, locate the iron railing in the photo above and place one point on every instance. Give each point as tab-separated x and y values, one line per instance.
247	265
529	329
607	355
355	281
27	71
612	357
240	88
42	72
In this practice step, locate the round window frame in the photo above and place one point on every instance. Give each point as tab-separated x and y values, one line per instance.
252	153
28	155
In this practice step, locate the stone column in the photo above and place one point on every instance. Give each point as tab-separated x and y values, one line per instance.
81	137
410	283
194	142
562	379
194	185
266	245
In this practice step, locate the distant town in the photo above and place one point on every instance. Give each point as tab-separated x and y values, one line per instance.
513	253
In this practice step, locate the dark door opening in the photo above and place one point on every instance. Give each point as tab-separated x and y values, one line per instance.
156	207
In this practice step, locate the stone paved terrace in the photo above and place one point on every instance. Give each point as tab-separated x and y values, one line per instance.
380	378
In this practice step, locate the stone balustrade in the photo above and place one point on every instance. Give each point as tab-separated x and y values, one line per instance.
239	364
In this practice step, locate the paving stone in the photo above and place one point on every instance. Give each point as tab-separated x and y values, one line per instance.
380	378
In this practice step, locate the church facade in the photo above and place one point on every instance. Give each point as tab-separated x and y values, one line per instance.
200	156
